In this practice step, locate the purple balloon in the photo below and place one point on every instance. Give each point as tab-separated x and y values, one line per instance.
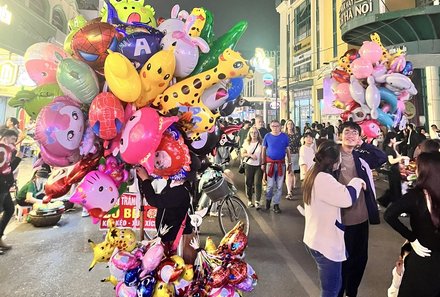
140	46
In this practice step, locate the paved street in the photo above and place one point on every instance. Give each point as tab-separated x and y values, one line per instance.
54	261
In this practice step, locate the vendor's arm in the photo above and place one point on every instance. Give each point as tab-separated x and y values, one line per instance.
169	198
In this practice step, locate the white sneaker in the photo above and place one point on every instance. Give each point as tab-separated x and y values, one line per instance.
300	209
250	204
85	213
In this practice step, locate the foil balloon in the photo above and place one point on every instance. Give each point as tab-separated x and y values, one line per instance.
138	47
389	97
115	169
85	165
194	120
167	271
97	193
146	286
234	242
206	142
124	260
342	93
5	158
371	51
188	91
131	12
172	157
156	75
340	75
102	252
106	116
41	62
57	185
219	277
74	25
227	40
152	258
238	272
141	137
357	91
131	277
362	68
228	108
77	80
186	48
225	291
59	131
122	290
372	97
235	88
123	239
163	290
250	282
215	96
175	23
122	77
408	69
398	64
199	14
33	101
92	42
370	129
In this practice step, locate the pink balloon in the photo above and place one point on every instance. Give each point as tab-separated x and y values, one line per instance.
371	51
122	290
124	260
362	68
342	93
41	62
141	137
152	258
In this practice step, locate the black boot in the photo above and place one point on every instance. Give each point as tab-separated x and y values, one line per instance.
276	208
268	204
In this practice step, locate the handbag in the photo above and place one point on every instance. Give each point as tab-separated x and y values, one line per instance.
241	168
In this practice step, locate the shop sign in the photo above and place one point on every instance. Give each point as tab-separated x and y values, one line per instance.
128	216
8	73
302	46
302	94
351	9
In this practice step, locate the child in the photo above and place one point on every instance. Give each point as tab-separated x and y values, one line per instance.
398	271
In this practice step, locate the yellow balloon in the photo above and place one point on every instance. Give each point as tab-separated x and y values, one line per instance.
101	252
196	119
155	75
210	247
122	78
188	91
123	239
163	290
198	25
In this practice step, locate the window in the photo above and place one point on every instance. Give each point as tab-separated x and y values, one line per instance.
59	20
40	7
302	20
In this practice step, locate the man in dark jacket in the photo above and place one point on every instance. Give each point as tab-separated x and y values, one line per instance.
357	160
8	138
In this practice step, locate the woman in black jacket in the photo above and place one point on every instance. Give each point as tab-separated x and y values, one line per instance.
8	137
172	204
422	275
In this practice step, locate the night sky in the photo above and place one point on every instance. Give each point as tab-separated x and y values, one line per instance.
262	17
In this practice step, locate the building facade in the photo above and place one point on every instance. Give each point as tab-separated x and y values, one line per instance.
315	33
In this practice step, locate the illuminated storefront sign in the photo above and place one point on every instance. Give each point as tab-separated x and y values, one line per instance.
8	73
354	8
5	15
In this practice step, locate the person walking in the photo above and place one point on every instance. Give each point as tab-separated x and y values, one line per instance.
294	145
274	153
9	138
259	123
394	191
413	140
251	155
357	160
323	198
422	276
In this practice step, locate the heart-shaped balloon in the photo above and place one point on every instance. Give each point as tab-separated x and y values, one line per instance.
219	277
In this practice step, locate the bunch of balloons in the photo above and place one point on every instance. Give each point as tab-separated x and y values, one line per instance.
121	87
372	86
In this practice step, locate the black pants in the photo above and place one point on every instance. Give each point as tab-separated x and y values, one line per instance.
254	181
8	211
394	191
356	245
421	277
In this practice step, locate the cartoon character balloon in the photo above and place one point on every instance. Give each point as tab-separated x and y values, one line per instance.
141	137
172	156
106	116
115	170
129	11
92	42
59	131
97	193
41	63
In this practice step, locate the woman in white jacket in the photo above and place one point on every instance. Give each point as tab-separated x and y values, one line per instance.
324	197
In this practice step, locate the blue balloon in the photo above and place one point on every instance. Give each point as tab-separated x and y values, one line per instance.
140	46
132	277
385	119
235	89
389	97
146	287
408	69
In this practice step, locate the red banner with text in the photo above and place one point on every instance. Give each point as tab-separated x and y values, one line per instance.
128	216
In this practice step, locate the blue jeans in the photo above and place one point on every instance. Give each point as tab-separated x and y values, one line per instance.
329	274
275	184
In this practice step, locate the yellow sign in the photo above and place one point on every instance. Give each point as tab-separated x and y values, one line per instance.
8	73
302	46
5	15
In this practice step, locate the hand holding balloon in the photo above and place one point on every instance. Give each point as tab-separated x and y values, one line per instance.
142	173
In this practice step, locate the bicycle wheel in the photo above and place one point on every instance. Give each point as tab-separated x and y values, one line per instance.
231	210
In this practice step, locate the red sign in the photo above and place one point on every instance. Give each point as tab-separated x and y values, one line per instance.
128	216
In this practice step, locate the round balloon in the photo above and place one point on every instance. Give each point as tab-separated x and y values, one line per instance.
235	87
41	62
362	68
106	116
371	51
215	96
